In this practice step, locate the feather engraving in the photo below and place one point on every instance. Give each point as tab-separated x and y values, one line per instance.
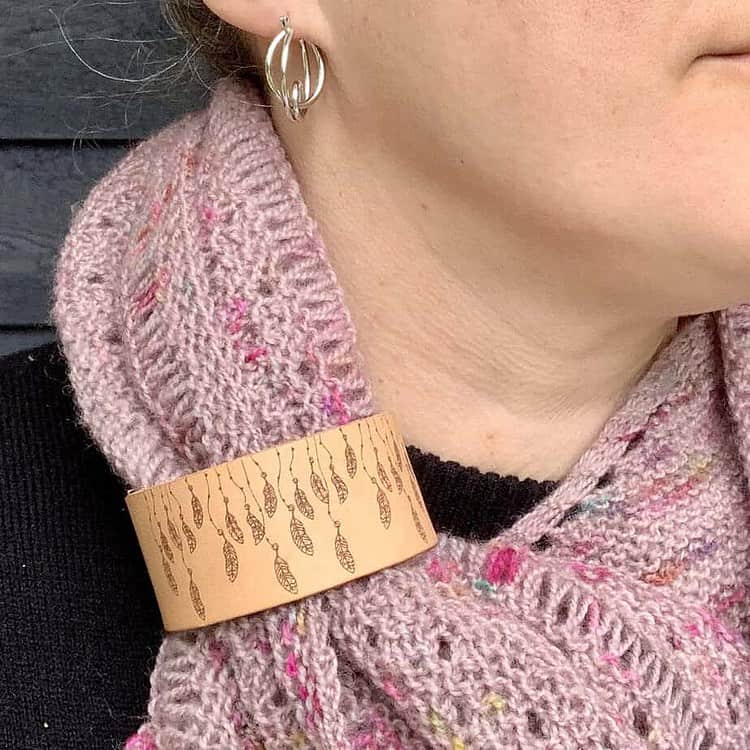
173	534
343	553
397	453
384	507
231	563
396	476
383	476
256	526
165	543
351	461
418	523
195	597
320	490
189	536
303	504
169	575
300	536
233	527
196	507
341	489
284	574
269	498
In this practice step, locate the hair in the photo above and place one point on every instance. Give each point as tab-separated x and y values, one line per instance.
224	47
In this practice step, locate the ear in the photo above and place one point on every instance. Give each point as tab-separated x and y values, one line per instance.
261	18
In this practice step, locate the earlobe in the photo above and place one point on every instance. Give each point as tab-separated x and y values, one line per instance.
248	15
261	17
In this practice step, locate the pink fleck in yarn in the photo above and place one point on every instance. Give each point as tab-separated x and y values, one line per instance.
202	320
502	565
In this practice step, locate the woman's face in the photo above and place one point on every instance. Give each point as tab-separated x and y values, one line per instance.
590	128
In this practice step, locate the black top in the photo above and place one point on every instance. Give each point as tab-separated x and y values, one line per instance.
79	624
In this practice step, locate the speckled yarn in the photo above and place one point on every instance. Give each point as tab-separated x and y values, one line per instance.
202	320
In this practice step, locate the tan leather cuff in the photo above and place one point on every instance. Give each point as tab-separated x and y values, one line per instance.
279	525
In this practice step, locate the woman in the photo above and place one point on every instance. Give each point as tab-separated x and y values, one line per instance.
529	244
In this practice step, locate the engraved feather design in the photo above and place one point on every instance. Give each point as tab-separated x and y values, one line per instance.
197	512
320	490
175	528
305	508
284	574
384	507
195	597
397	453
165	545
351	461
233	527
300	536
189	536
383	476
343	553
396	476
169	575
418	523
173	534
231	563
256	526
269	498
341	489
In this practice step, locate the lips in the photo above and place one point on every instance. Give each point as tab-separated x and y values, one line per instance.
729	49
738	53
728	56
735	57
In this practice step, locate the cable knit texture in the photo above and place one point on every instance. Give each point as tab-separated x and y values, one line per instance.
201	320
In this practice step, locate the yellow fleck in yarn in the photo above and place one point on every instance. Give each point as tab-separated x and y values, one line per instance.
439	727
301	622
496	701
437	722
700	463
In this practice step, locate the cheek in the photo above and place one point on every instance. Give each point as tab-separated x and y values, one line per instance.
577	124
629	156
697	180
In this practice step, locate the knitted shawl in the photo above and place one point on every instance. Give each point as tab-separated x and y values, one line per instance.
201	320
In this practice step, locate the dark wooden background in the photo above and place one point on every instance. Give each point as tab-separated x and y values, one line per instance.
80	82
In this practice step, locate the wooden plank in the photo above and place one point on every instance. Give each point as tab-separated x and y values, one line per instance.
48	89
39	185
18	340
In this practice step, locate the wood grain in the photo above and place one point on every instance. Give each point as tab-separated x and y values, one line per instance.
79	82
49	90
40	184
18	340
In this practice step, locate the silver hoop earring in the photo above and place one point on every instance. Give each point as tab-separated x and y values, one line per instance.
300	96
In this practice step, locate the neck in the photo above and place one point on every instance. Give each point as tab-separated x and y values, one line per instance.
491	347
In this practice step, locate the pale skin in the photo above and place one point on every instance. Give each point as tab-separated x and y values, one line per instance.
519	199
